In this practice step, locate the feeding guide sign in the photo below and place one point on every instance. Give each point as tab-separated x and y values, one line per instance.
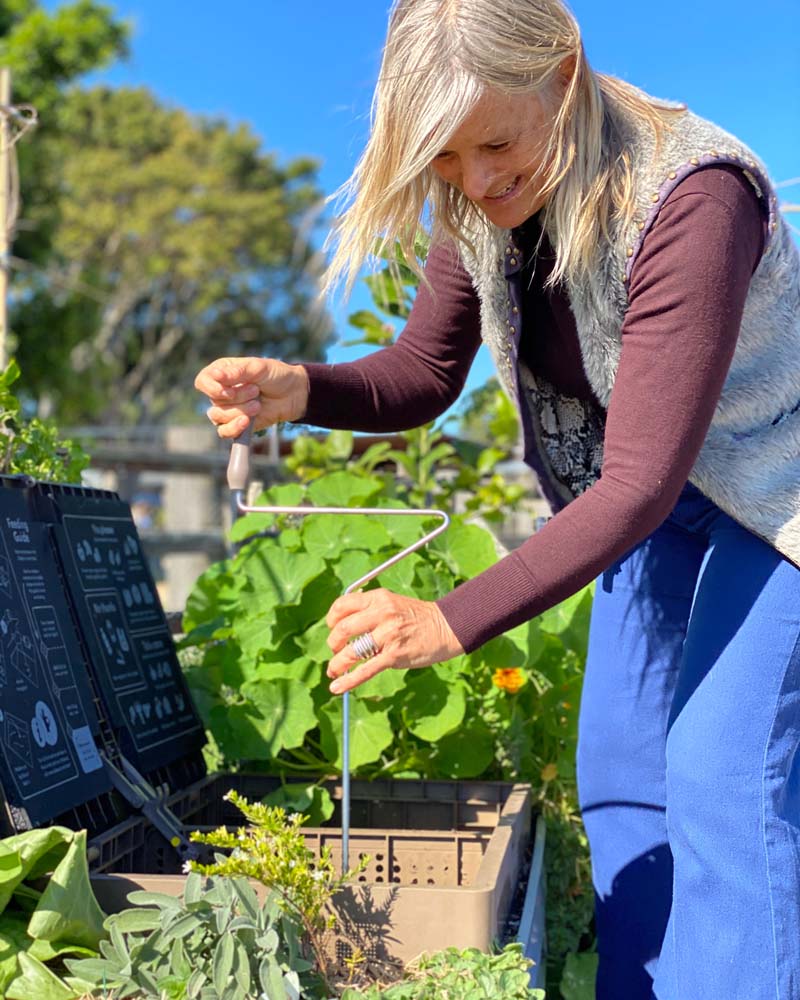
130	645
48	724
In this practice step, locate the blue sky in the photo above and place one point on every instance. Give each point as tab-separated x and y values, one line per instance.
301	74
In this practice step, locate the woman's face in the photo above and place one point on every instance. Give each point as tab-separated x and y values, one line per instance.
496	156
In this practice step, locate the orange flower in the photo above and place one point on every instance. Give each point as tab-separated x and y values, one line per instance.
508	679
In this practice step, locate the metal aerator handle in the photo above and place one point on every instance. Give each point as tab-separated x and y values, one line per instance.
238	475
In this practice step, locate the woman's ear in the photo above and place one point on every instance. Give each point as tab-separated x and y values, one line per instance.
566	68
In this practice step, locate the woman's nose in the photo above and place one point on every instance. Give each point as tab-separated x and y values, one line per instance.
476	179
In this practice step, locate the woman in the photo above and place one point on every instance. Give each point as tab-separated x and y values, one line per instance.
625	263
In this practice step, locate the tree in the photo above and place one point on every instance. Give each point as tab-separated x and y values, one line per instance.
46	52
177	241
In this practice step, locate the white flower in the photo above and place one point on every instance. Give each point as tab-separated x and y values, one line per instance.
187	867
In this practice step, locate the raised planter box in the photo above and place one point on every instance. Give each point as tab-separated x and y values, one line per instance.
446	860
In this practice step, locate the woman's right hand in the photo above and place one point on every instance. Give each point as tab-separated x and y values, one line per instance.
258	390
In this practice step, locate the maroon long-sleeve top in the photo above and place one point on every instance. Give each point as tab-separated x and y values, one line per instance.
686	297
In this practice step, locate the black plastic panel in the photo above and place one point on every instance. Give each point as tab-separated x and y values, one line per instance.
123	624
49	728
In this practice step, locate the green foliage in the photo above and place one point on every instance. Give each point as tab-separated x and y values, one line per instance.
33	447
47	51
176	239
40	924
217	942
269	603
580	972
272	850
461	975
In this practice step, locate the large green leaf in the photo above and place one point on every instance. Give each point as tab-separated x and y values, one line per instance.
370	732
400	577
352	565
10	864
282	495
253	634
214	594
467	549
276	716
570	620
465	753
13	939
322	535
275	576
435	704
36	980
313	643
385	684
362	532
39	852
343	489
68	911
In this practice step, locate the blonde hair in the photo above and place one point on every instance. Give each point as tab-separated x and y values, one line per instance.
440	57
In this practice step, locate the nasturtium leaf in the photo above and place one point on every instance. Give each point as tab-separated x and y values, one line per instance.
68	911
400	577
276	576
434	705
281	495
432	581
313	801
292	620
322	533
276	715
467	752
467	549
299	670
502	652
214	595
313	643
350	566
370	732
386	684
290	538
249	525
253	634
570	620
344	489
221	667
365	533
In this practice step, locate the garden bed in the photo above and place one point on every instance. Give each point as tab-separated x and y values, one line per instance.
446	859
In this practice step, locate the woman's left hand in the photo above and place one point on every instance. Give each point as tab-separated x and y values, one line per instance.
407	632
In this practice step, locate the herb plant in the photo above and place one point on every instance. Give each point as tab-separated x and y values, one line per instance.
33	447
460	975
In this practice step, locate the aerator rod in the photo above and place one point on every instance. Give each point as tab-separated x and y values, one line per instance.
238	476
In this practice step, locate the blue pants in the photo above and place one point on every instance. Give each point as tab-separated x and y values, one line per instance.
688	764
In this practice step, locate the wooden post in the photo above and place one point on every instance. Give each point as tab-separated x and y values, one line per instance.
5	175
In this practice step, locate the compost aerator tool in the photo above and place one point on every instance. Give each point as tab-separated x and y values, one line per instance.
238	476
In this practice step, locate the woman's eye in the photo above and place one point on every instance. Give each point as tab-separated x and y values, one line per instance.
497	147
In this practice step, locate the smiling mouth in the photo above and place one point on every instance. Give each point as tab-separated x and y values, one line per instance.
508	192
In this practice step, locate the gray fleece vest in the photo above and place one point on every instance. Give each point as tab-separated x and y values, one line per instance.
749	465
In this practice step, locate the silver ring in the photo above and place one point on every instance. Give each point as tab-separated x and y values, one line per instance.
364	646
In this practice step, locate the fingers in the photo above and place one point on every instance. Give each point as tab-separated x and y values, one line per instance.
364	672
408	633
262	389
224	374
